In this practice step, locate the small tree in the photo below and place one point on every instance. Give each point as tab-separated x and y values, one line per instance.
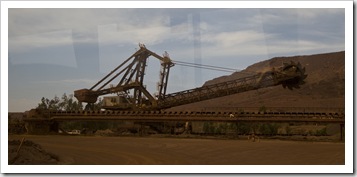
43	104
52	104
288	130
269	128
66	103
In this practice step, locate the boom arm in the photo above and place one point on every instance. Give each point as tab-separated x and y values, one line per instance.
291	75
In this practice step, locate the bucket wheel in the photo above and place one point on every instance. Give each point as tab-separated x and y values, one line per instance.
297	74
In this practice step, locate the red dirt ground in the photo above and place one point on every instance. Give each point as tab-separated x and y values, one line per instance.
93	150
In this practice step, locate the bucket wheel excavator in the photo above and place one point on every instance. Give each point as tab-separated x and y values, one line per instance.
132	94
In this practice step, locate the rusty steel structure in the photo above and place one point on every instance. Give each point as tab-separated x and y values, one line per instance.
160	116
44	121
132	72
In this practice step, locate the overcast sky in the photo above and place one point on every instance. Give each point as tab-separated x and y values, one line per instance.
56	51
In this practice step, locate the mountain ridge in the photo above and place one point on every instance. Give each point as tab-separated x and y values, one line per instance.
324	86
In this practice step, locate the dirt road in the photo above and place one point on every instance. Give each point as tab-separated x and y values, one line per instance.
93	150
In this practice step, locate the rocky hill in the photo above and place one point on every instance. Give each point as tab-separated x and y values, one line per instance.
324	87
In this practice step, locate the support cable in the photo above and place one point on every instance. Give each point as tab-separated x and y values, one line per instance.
193	66
210	67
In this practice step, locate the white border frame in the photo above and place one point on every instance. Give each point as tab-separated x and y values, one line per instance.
347	168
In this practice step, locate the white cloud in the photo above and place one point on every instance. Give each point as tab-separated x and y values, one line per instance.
54	47
234	38
246	43
131	26
308	14
40	40
33	21
110	34
70	81
302	46
30	28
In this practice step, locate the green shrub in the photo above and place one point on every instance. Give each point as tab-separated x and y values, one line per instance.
269	128
322	132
